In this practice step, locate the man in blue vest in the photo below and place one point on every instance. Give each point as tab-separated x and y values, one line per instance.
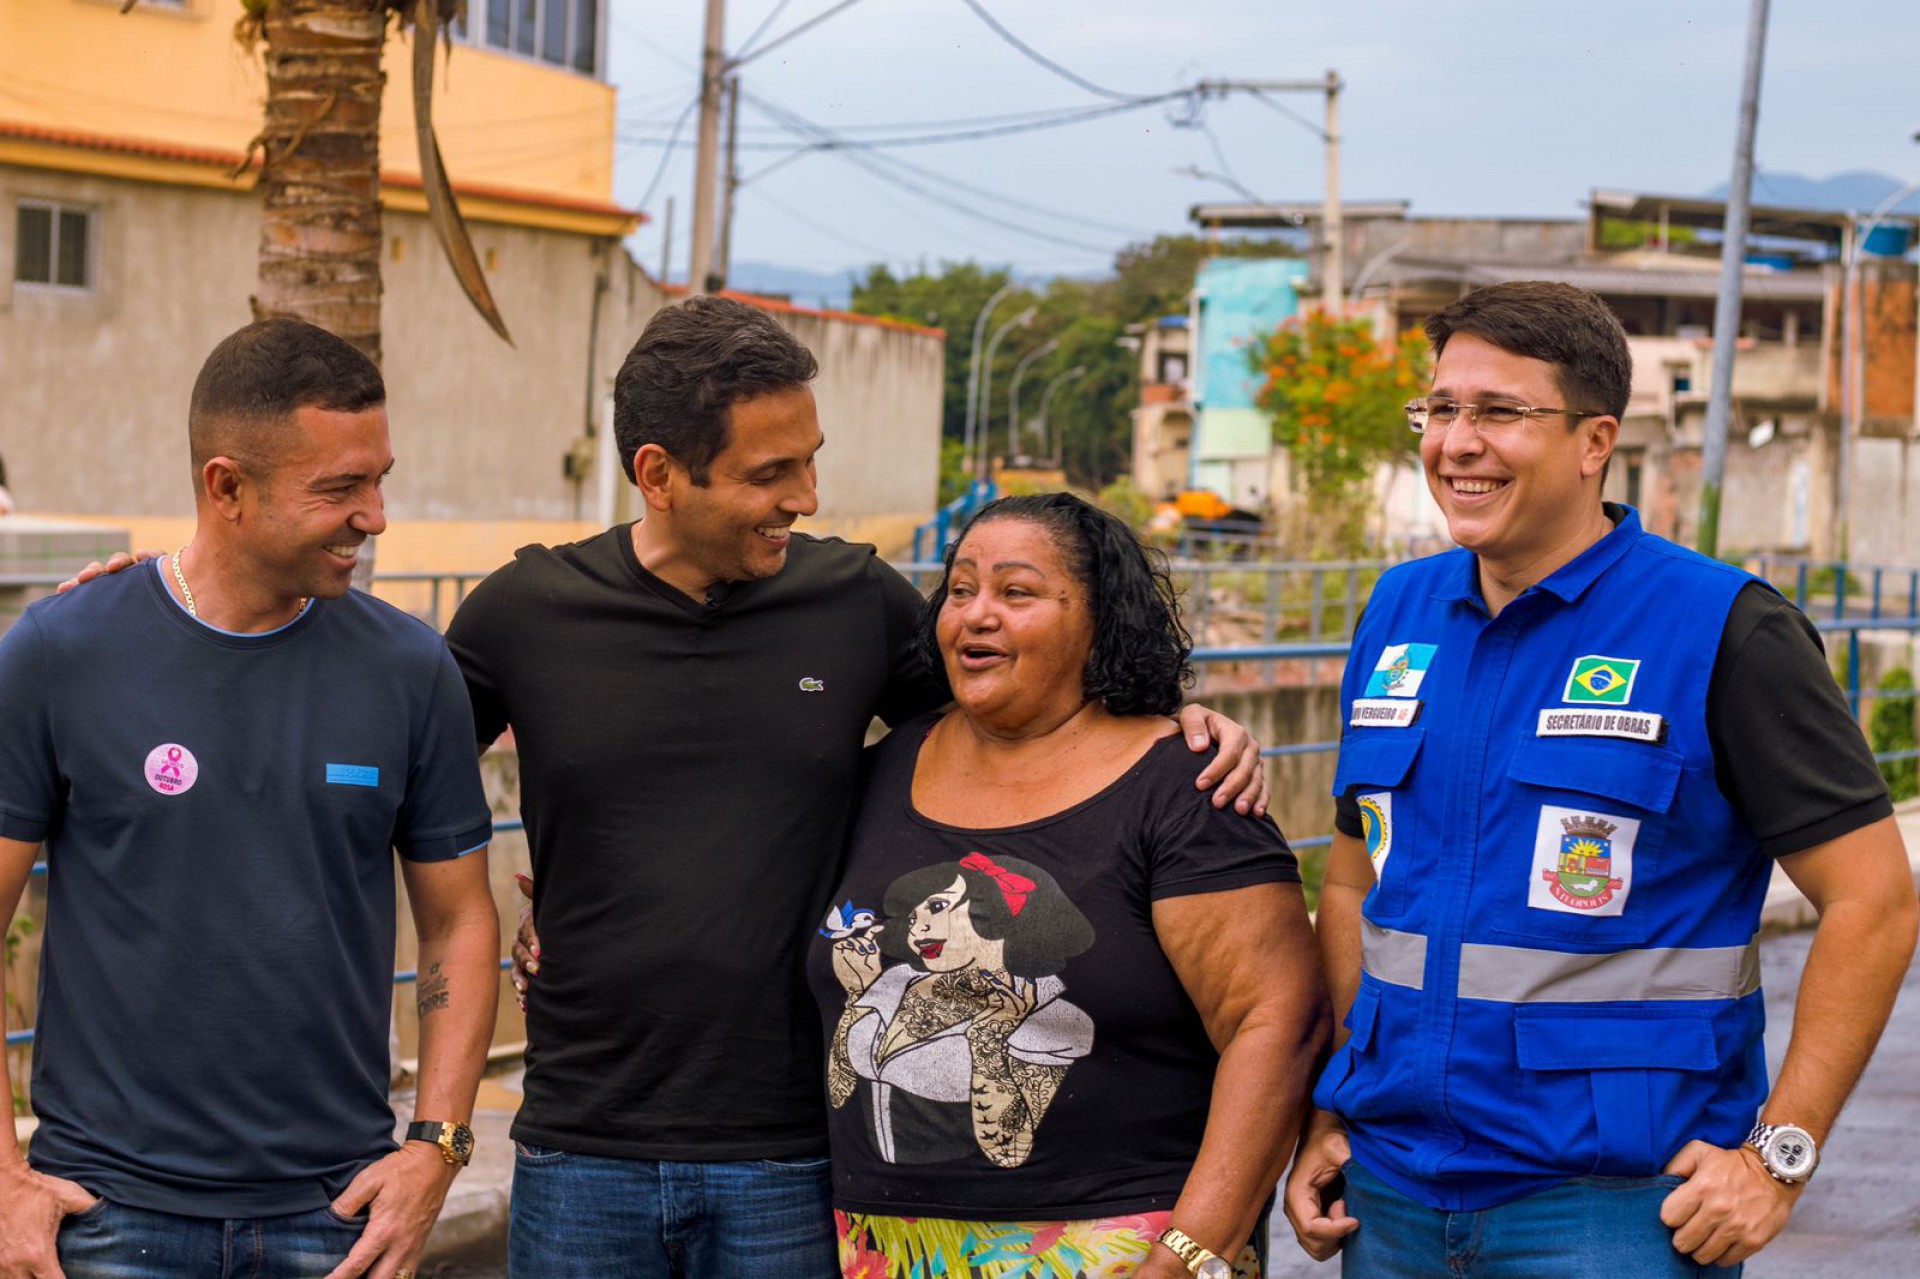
1574	754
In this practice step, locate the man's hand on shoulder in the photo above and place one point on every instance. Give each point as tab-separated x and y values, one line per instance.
1235	776
401	1196
115	563
32	1205
1727	1208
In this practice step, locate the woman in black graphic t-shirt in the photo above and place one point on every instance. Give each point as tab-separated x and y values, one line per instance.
1068	1003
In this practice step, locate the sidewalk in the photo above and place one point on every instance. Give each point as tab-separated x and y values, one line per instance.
477	1208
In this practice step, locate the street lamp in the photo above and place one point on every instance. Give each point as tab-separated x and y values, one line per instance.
986	381
1046	402
973	369
1013	396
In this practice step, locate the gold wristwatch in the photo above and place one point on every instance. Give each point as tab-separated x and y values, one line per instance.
1201	1261
455	1140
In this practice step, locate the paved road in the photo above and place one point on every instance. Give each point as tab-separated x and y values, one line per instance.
1860	1219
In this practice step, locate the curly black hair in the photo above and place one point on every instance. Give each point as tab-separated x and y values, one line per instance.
1138	665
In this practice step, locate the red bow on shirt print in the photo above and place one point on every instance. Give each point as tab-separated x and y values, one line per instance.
1015	888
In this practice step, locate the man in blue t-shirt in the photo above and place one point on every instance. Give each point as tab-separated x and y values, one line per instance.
217	753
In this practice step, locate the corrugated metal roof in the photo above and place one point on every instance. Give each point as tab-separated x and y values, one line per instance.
1758	285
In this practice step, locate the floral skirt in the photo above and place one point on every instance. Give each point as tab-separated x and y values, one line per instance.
873	1246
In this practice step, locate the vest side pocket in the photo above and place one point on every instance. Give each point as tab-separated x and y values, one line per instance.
1605	1087
1373	769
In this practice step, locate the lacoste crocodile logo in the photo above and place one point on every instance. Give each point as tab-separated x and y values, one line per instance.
809	684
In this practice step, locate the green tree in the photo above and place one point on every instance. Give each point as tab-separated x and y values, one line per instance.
1335	395
1890	728
949	299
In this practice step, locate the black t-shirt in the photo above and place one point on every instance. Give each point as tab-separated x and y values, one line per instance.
1786	751
687	773
1019	1046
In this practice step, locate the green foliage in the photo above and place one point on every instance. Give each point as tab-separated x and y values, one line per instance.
1154	278
1335	396
1124	499
953	471
1632	233
16	1017
1891	728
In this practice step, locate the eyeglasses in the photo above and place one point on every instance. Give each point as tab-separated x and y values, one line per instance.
1438	410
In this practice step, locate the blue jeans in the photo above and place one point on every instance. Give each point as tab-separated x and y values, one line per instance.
1586	1228
588	1216
113	1241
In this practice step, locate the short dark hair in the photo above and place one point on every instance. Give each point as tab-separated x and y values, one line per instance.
1138	665
1048	931
1567	327
253	382
692	364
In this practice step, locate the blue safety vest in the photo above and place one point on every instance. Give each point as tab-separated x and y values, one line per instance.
1560	966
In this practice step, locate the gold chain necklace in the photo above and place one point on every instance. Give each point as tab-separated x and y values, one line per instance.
186	592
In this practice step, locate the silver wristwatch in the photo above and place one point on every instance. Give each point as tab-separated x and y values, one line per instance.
1788	1152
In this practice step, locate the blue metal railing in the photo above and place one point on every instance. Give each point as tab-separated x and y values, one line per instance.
1853	608
930	539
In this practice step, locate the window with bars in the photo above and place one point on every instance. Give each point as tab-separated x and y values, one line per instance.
53	244
565	33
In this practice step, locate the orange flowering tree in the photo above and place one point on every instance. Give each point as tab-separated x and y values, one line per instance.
1335	395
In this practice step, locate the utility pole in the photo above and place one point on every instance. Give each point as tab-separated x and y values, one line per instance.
1020	321
666	242
1013	396
1726	311
1333	247
733	180
713	70
1333	288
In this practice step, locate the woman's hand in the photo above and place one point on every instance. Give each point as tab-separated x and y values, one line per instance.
856	962
1010	1001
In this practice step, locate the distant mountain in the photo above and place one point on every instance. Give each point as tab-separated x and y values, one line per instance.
1857	192
827	290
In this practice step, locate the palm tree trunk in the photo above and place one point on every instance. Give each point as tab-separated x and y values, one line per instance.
320	182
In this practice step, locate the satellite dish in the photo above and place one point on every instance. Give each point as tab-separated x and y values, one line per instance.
1762	434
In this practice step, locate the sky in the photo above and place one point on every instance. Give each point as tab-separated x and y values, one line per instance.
1464	107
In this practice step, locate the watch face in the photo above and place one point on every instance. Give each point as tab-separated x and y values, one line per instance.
1791	1152
1215	1268
462	1142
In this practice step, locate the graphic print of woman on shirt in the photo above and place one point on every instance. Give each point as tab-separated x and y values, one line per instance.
965	1044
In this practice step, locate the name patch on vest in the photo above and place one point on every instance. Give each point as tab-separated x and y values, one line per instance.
1582	862
1636	726
1383	712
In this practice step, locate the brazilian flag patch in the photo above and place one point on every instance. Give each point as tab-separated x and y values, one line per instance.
1601	681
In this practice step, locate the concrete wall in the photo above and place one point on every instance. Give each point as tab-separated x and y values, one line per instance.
94	385
879	395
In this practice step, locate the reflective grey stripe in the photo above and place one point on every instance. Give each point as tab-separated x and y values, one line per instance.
1398	958
1516	975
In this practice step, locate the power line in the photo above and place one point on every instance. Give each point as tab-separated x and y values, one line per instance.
742	59
666	152
857	156
761	30
1014	40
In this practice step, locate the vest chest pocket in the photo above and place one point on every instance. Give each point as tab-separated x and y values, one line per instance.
1580	856
1373	770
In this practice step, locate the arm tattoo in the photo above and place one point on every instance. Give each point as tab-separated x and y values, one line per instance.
433	991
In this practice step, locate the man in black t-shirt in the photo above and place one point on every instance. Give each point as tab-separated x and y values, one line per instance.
689	696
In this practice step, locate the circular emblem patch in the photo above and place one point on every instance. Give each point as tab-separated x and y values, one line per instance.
172	769
1376	827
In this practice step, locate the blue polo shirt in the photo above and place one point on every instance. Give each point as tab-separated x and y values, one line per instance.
219	814
1560	970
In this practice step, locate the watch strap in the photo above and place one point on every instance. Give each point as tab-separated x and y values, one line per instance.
453	1140
1188	1249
